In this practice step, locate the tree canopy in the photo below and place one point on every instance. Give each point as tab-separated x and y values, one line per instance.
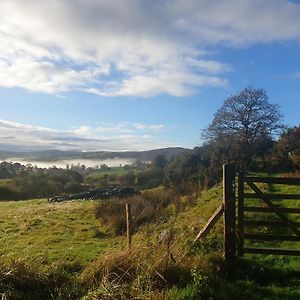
288	148
244	122
247	116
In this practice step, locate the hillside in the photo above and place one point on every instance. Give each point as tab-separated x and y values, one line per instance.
53	155
62	250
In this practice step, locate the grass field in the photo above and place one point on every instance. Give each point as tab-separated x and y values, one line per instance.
61	251
36	229
7	183
112	171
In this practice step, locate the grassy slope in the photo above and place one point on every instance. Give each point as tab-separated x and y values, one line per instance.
56	233
254	276
45	231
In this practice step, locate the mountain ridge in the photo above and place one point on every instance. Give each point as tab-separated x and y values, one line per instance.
54	155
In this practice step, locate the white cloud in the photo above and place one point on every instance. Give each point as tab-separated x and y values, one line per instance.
209	66
19	137
131	48
237	22
155	127
128	127
83	130
43	76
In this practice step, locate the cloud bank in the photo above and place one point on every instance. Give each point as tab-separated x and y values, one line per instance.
117	137
132	48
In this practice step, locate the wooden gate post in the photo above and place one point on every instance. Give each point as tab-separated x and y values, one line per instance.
229	212
128	223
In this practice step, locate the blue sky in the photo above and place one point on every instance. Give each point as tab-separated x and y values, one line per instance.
136	75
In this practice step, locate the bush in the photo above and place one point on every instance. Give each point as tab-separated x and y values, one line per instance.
73	187
149	207
7	194
112	213
150	178
142	273
28	280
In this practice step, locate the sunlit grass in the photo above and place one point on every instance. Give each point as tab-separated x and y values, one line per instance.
64	248
36	229
111	171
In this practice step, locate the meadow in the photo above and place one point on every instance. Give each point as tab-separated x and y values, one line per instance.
62	251
112	171
36	229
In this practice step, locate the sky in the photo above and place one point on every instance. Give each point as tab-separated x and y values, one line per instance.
136	74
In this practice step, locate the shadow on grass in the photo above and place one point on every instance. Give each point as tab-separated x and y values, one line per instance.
250	279
259	272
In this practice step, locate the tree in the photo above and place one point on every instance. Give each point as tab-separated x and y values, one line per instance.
150	178
194	170
128	179
159	161
72	187
243	122
54	187
288	148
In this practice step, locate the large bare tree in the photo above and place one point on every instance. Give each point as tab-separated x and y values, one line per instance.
244	120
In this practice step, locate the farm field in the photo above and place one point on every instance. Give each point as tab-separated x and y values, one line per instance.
112	171
62	250
36	229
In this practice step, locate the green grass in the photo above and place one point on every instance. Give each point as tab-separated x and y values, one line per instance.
62	248
112	171
36	229
7	183
253	276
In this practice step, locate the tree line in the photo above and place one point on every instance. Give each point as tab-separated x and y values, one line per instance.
21	182
246	130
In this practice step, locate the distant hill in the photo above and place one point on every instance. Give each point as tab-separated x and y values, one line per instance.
54	155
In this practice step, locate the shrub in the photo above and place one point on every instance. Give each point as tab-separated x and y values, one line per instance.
143	273
72	187
7	194
28	280
112	213
150	207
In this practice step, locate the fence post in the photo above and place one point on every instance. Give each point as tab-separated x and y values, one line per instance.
229	212
128	222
